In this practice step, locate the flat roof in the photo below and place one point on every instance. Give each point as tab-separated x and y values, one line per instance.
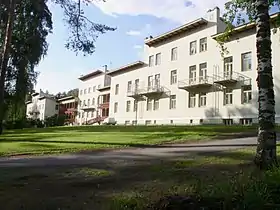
126	67
28	102
92	74
245	27
183	28
66	98
34	94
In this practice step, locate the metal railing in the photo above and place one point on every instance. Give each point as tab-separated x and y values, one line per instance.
203	80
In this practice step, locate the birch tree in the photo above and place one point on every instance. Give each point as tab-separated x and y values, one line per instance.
258	11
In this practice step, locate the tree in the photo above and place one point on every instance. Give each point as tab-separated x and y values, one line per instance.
258	11
83	34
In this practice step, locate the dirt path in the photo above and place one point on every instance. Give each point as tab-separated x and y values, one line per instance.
131	154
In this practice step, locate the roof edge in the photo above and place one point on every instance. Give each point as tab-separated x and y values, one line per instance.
126	67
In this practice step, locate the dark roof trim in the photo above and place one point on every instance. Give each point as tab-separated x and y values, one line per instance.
183	28
126	67
66	98
93	74
104	88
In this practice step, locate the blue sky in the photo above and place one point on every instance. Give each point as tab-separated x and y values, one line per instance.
134	20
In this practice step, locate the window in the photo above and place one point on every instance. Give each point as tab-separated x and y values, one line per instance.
192	100
98	87
192	74
156	104
228	121
56	107
228	66
84	103
83	114
193	48
172	104
134	122
117	89
158	59
92	114
149	104
116	107
173	77
128	103
81	92
88	102
93	102
135	106
151	60
228	96
129	86
93	89
89	89
150	82
127	122
246	59
246	121
157	80
85	91
171	121
155	122
136	85
174	54
202	99
246	94
202	72
148	122
191	121
201	121
203	44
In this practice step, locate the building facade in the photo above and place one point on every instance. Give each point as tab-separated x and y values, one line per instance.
184	79
68	106
94	97
41	106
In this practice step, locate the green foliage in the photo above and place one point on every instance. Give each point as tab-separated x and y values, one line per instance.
56	120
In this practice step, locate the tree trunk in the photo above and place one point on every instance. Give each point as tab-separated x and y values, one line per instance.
266	149
5	57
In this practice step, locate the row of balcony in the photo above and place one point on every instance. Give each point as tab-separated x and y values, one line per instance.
195	83
90	107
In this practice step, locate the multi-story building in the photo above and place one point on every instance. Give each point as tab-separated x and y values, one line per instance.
94	96
68	106
184	79
41	106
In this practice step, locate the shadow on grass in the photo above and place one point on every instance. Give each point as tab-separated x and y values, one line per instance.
143	180
202	128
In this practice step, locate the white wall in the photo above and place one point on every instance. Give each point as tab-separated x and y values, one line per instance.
215	109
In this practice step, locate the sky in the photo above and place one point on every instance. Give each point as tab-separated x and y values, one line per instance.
134	20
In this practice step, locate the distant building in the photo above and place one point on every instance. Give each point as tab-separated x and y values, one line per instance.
41	106
68	106
94	96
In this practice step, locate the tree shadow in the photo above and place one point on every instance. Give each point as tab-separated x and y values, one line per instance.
150	179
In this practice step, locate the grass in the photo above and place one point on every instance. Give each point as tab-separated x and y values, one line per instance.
229	175
74	139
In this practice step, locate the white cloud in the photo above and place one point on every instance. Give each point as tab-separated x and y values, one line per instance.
137	47
179	11
133	33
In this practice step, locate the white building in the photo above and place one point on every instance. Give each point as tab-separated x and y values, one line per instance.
94	96
185	80
41	106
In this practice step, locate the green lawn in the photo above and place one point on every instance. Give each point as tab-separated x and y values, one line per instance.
227	176
73	139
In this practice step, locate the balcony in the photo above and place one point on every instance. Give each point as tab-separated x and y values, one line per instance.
88	107
104	88
152	90
136	93
195	83
104	105
227	79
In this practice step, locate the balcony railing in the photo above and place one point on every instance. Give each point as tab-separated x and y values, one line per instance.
88	107
152	90
229	78
192	83
134	93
